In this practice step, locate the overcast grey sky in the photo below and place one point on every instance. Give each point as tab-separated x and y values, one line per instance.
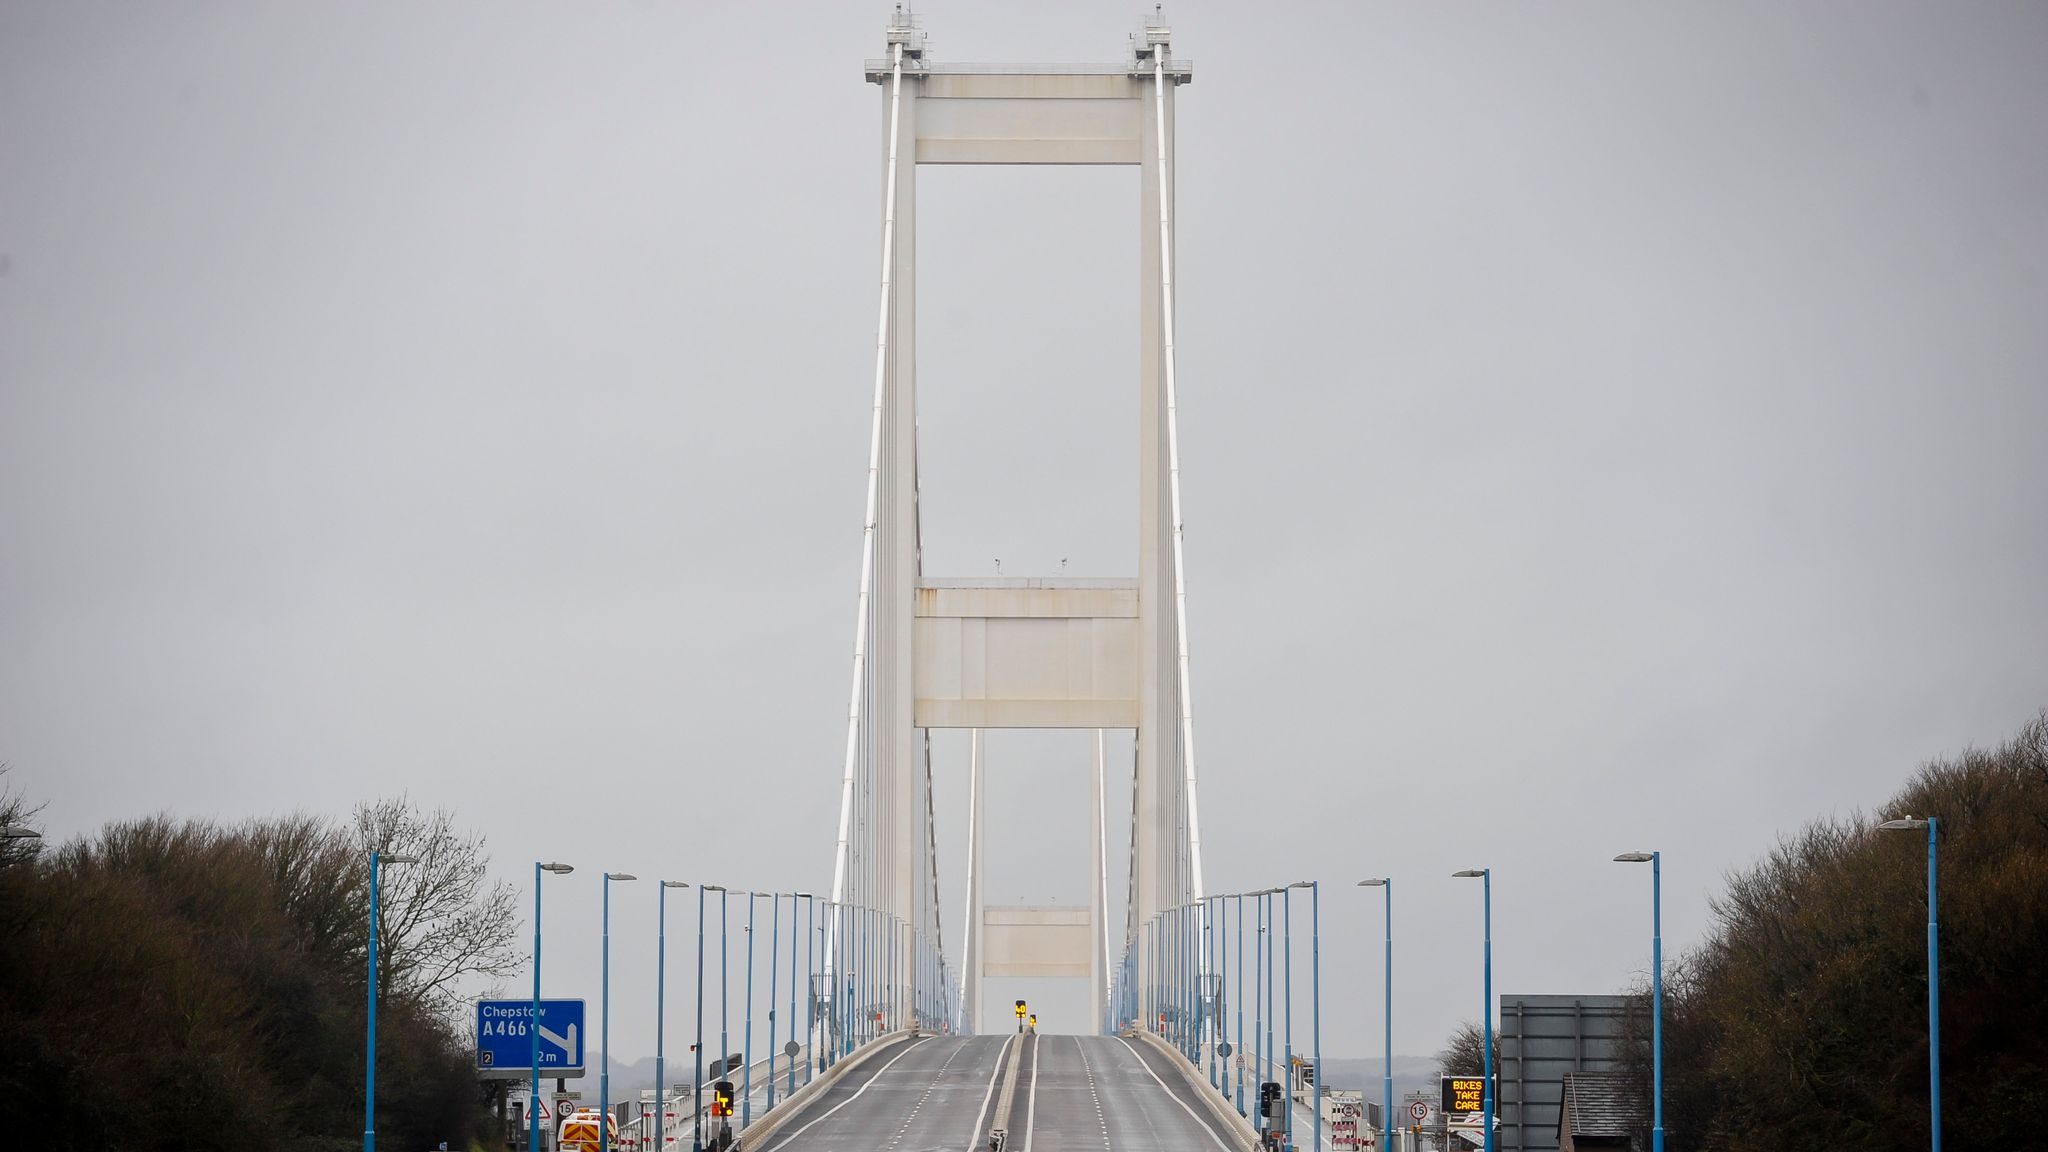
1605	426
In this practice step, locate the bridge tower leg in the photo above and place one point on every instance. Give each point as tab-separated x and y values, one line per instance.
1031	653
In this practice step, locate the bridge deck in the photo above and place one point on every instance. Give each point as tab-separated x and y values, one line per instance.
1105	1092
1073	1092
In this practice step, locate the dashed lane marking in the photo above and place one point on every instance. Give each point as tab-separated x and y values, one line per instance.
784	1142
1088	1070
921	1100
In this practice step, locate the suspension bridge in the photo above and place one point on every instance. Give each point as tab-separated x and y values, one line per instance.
900	1048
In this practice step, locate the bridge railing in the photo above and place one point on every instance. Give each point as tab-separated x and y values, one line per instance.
1218	986
887	978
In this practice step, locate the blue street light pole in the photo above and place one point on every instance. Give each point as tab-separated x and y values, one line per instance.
1164	1011
1146	991
1258	1001
660	1010
747	1036
1315	1001
774	972
1190	1011
604	1076
724	996
697	1077
810	985
1933	970
1200	971
1176	965
842	977
533	1020
1271	973
1656	862
1237	1080
1191	979
1221	1062
1387	1067
1287	999
1486	878
794	940
370	1049
1201	974
1184	954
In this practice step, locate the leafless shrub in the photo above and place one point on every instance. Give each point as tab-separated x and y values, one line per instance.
1801	1021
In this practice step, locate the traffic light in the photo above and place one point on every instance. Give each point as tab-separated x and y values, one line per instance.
1269	1100
721	1099
1020	1009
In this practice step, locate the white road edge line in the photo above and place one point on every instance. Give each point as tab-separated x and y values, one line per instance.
1031	1108
784	1142
1171	1096
988	1095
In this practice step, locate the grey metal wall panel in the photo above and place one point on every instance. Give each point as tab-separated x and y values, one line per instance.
1541	1039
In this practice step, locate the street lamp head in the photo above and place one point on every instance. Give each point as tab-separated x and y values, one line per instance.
711	887
1908	824
558	869
1375	882
674	884
396	858
1470	872
1635	858
620	876
1303	884
18	832
803	896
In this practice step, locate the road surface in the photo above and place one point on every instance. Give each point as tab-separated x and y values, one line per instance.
1074	1094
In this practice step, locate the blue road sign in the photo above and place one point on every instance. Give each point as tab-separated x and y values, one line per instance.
504	1039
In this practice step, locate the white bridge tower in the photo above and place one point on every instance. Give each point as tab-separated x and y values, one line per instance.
937	652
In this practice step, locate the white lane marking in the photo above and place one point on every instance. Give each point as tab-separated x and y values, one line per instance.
1171	1096
926	1097
784	1142
1089	1070
975	1136
1031	1109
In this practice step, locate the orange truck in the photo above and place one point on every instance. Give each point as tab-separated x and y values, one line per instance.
579	1131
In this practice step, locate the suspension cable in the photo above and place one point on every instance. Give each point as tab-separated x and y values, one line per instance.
1180	593
867	544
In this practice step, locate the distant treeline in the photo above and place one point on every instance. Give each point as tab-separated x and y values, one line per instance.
1801	1022
172	985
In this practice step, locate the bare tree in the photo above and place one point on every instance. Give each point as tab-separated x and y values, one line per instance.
442	921
1801	1020
1464	1054
15	809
